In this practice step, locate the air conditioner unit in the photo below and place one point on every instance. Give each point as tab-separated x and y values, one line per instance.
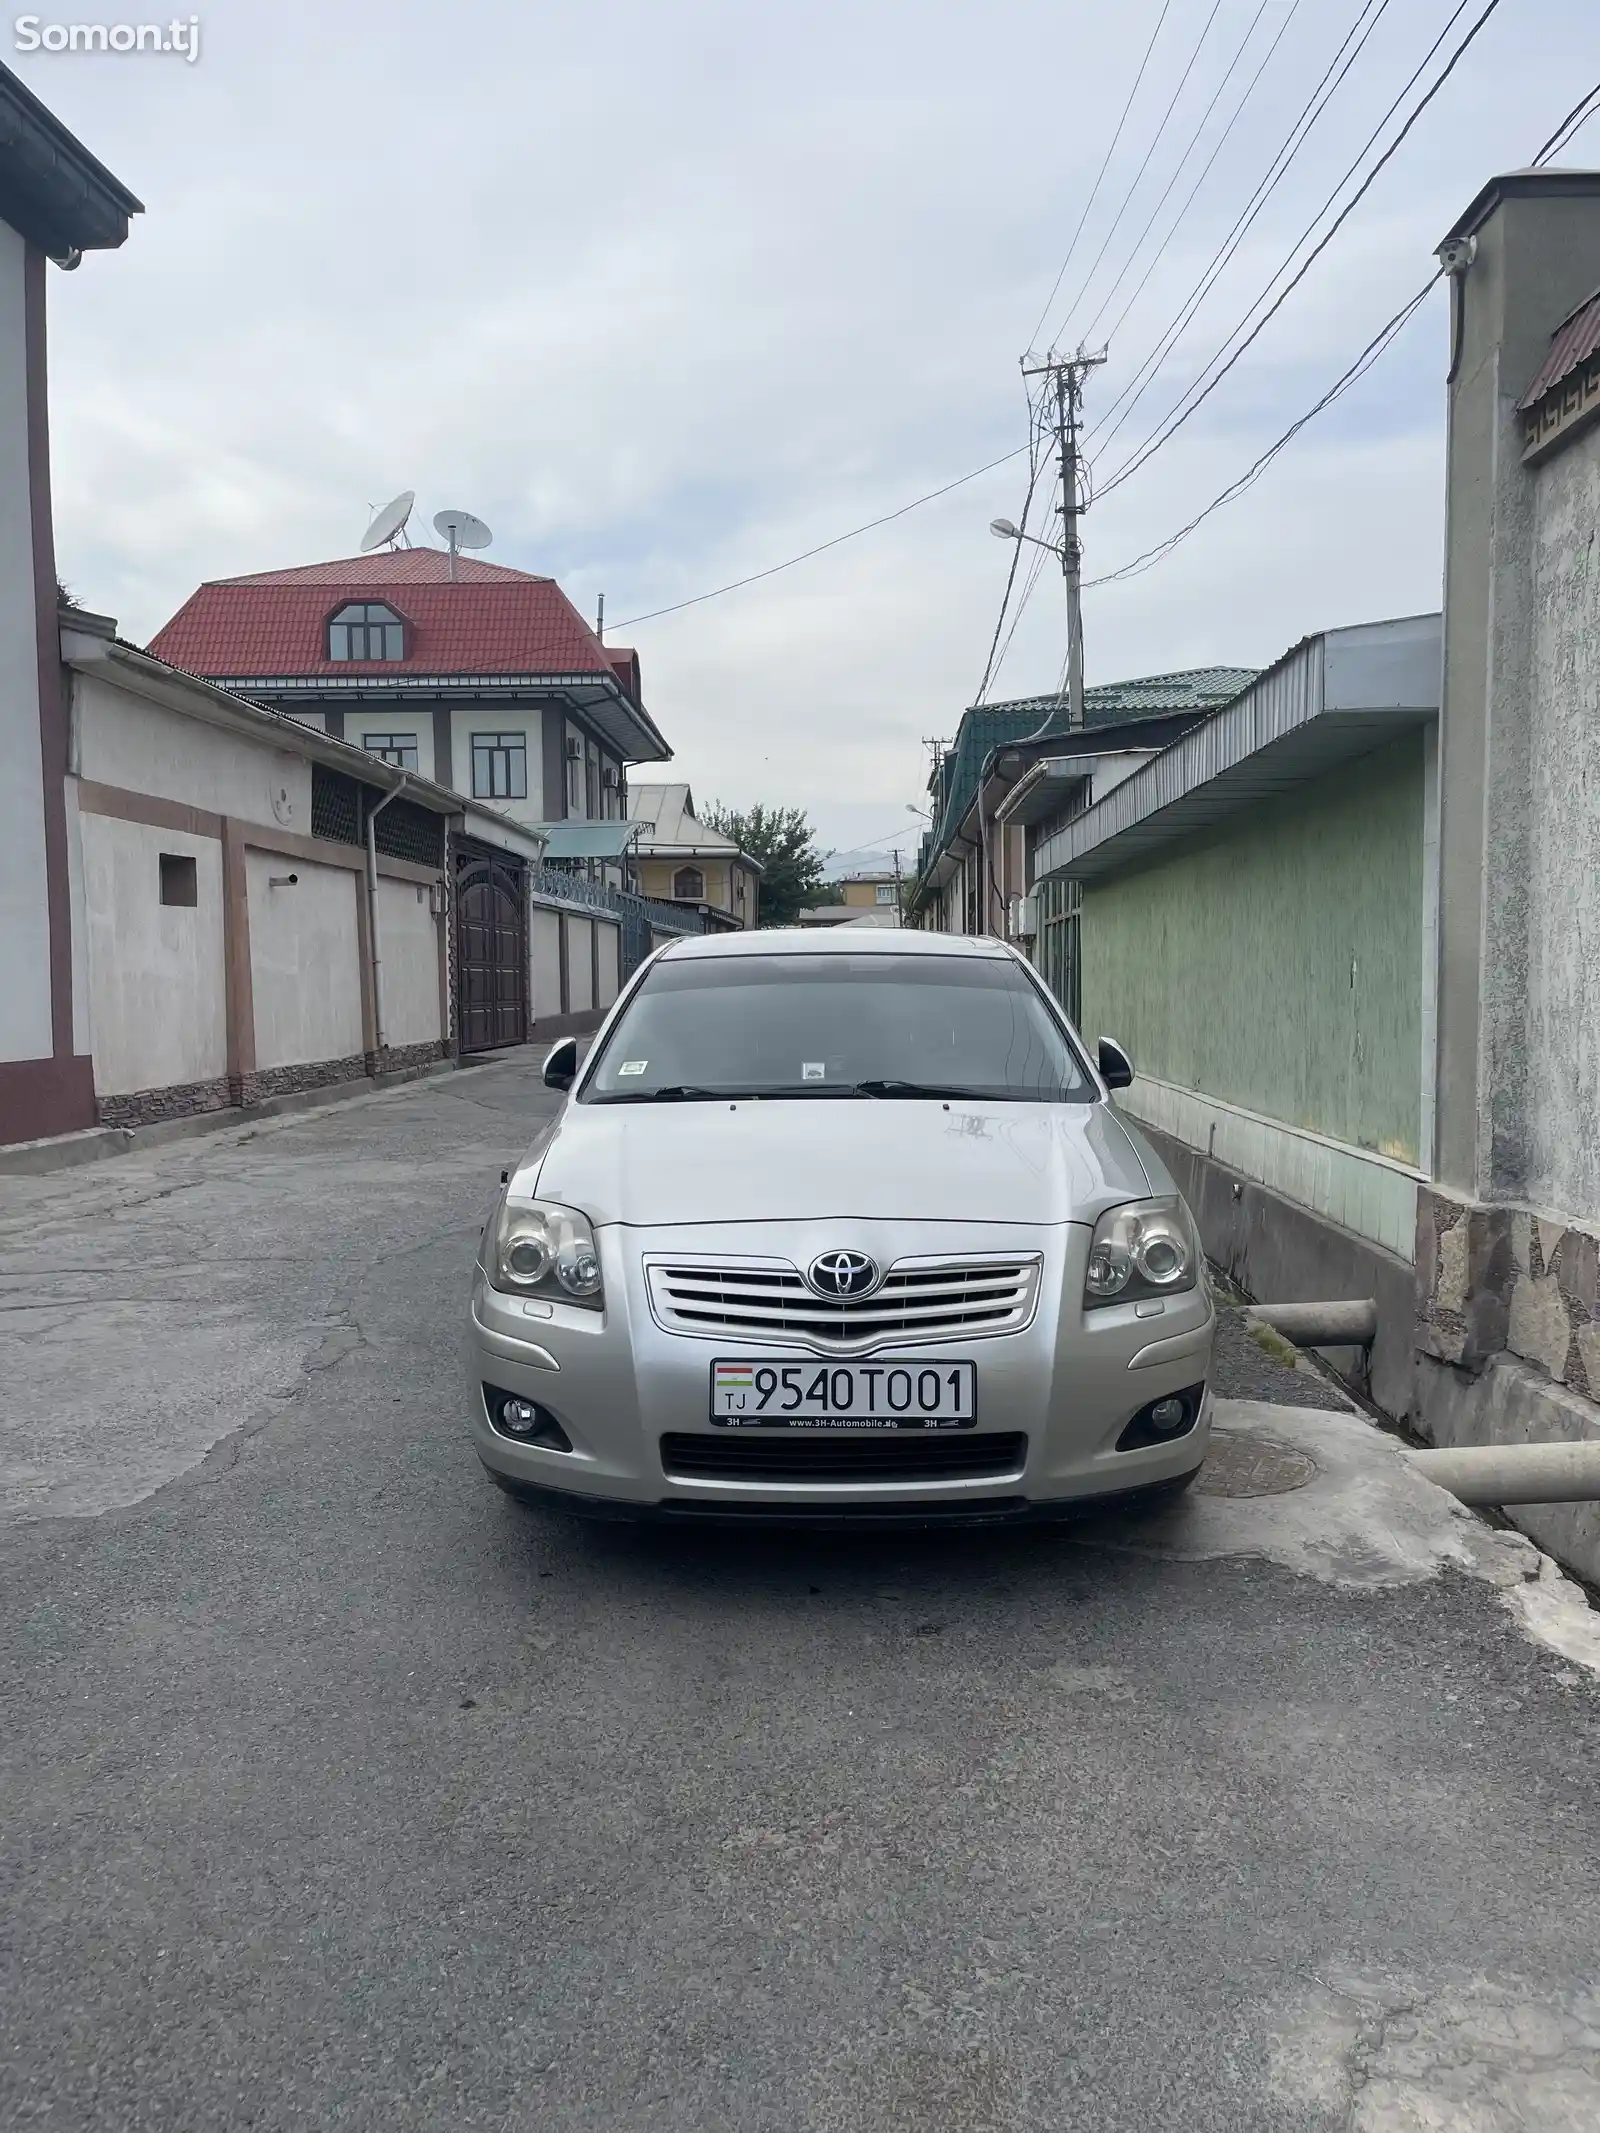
1023	918
574	749
611	777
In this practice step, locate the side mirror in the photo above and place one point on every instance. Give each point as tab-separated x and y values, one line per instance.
561	1064
1116	1068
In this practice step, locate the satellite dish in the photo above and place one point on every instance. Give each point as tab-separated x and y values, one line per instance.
461	530
389	524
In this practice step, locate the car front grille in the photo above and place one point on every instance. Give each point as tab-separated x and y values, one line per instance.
883	1455
919	1299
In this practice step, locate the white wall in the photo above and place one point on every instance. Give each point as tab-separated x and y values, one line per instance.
142	747
580	966
157	1005
304	961
545	961
409	937
610	940
24	920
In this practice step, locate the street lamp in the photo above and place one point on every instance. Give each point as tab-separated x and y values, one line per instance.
1003	530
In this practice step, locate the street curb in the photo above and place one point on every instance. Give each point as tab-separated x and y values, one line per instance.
70	1151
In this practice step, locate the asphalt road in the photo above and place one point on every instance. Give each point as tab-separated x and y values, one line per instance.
338	1792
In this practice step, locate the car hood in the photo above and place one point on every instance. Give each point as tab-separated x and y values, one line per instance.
775	1161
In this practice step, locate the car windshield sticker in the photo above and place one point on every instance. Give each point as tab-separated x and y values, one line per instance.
633	1066
813	1070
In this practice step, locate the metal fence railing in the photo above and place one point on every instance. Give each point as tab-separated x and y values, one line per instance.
640	917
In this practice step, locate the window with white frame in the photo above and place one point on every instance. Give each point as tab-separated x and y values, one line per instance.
886	892
400	749
500	766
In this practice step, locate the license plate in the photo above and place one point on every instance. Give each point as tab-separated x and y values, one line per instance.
812	1395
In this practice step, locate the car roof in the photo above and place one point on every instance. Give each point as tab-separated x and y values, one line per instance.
838	940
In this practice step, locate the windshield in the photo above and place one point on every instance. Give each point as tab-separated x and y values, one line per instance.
883	1026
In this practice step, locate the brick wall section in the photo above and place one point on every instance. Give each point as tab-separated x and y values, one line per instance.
401	1058
145	1107
290	1080
1494	1278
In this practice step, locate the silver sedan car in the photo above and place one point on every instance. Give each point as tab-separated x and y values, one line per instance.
835	1228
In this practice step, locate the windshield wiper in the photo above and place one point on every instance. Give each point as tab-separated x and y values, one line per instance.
676	1092
916	1088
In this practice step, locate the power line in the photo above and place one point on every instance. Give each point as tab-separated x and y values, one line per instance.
1030	584
1016	553
1349	51
1178	167
1222	141
1175	421
735	584
1183	82
1369	355
1094	190
1580	114
1587	107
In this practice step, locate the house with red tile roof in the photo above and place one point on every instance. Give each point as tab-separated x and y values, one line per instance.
479	677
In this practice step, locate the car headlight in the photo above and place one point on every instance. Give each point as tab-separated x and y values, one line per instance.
537	1249
1148	1249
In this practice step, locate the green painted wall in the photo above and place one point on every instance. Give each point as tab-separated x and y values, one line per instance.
1276	960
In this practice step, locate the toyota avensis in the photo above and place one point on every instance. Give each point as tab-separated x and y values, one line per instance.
839	1226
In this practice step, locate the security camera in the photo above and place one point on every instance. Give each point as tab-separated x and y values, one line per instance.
1456	254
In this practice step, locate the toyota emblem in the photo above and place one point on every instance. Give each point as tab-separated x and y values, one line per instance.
843	1274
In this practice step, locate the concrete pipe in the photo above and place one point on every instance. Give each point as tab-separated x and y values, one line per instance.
1515	1473
1322	1325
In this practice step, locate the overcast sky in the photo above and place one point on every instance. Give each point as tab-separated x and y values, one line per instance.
668	292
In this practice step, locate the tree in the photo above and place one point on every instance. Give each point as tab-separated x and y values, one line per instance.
785	843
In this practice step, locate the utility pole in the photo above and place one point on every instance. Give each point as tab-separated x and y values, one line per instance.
1066	375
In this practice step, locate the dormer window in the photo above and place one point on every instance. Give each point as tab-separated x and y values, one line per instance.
364	631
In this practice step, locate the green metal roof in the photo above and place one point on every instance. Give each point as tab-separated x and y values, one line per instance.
1113	703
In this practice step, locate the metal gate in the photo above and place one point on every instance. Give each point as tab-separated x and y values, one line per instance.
491	955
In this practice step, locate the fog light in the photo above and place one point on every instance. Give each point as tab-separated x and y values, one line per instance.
1165	1420
524	1421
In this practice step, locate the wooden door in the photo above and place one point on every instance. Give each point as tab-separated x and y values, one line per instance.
491	956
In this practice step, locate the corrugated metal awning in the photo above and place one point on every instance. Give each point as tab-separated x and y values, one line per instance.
1572	344
1331	699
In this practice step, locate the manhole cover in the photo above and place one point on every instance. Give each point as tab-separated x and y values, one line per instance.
1241	1465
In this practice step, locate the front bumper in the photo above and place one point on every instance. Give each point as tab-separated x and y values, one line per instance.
617	1383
